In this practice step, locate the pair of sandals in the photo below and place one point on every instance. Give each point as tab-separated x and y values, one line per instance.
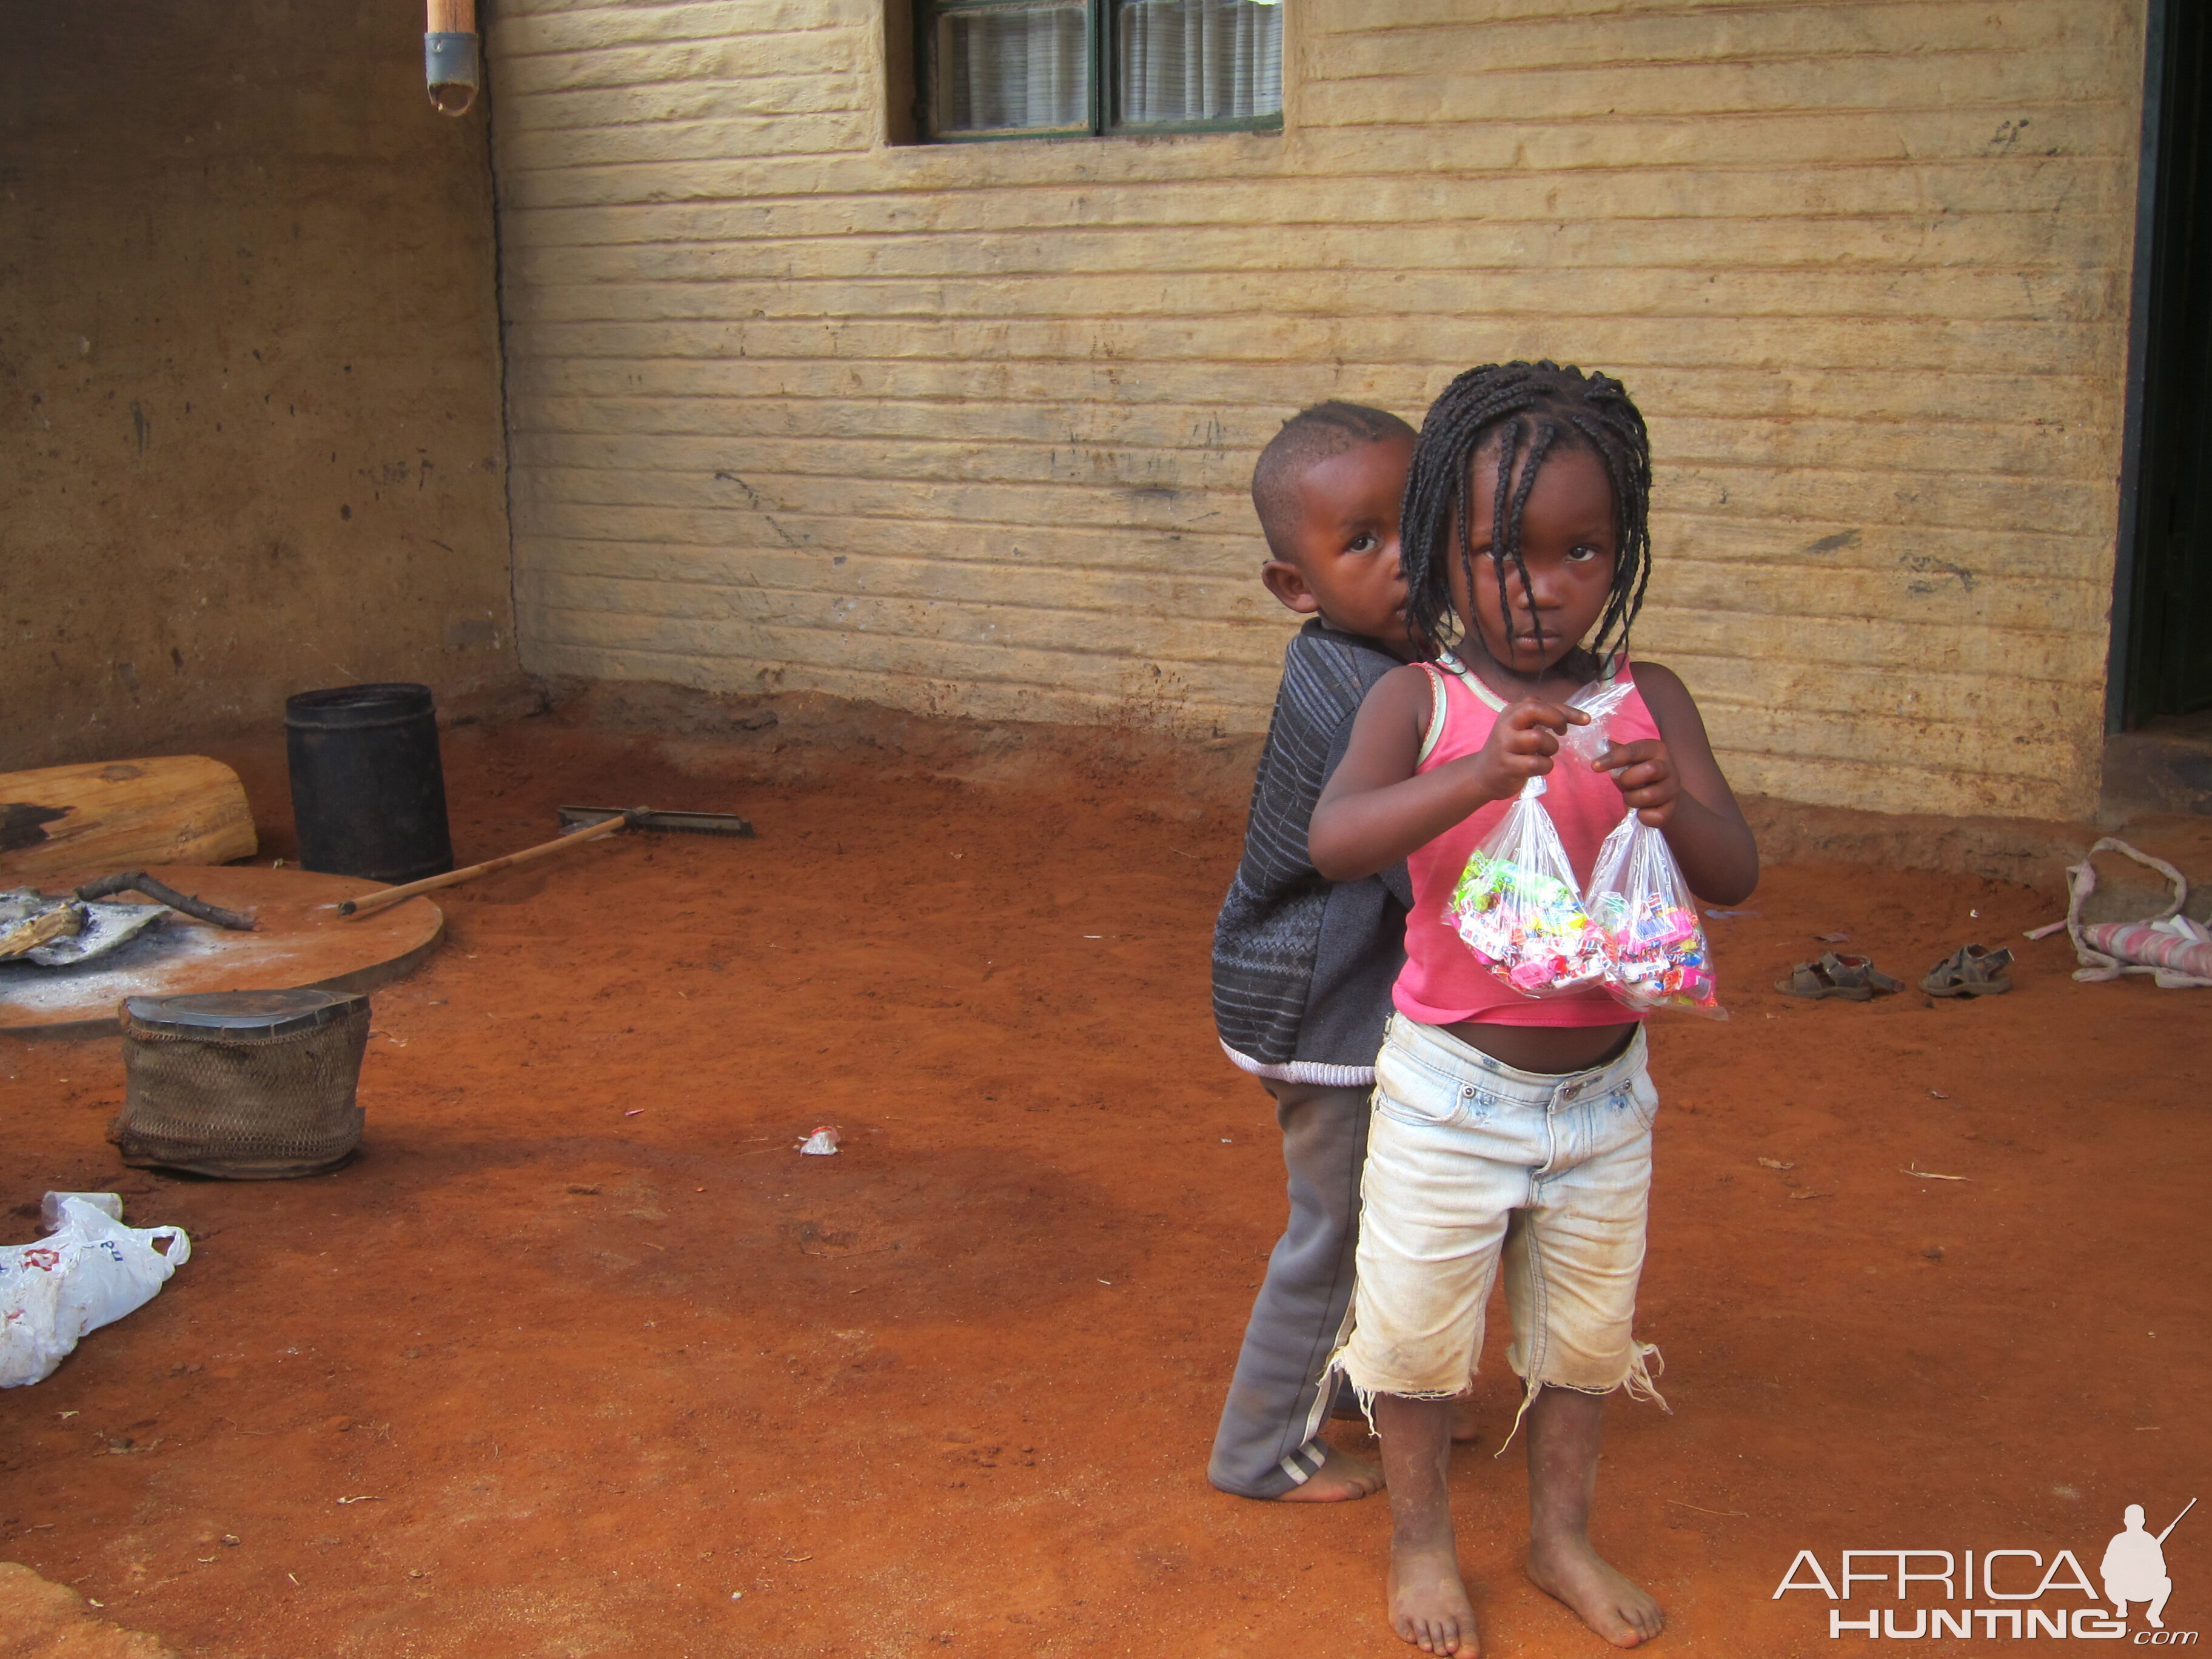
1971	971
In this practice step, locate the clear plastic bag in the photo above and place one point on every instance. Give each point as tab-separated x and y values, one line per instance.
1598	700
1515	907
1656	951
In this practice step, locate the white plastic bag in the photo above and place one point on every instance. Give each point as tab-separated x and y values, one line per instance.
89	1271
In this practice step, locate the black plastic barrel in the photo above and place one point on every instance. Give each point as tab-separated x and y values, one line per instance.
369	791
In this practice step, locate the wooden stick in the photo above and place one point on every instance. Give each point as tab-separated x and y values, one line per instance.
137	881
390	896
452	17
46	928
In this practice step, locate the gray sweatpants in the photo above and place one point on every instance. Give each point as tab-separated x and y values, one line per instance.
1267	1443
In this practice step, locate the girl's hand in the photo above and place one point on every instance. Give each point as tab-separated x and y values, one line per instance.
1645	773
1521	745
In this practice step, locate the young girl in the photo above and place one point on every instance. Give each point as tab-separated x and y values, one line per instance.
1506	1126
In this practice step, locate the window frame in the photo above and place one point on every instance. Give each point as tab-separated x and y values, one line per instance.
1103	101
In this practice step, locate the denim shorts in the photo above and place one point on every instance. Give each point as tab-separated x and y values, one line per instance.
1470	1162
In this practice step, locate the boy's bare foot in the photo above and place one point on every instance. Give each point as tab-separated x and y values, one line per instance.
1570	1571
1341	1477
1428	1602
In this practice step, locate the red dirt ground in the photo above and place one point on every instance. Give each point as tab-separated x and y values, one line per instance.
590	1375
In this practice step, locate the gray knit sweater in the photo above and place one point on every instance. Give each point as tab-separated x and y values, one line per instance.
1303	966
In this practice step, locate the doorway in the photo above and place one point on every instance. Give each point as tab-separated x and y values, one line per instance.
2163	616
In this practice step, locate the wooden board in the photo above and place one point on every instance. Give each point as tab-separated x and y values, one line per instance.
103	817
301	943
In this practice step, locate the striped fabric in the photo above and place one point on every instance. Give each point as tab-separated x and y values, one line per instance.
2177	951
1303	966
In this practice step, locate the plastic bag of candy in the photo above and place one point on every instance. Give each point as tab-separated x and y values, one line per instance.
1655	951
1515	907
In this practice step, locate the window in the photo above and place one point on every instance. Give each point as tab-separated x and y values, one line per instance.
1009	69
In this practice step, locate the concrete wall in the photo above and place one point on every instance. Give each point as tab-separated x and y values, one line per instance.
250	426
967	427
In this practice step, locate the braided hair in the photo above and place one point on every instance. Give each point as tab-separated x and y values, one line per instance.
1525	410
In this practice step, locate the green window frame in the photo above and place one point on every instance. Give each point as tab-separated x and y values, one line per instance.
1094	94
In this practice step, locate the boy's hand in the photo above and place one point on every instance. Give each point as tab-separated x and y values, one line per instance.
1645	773
1521	744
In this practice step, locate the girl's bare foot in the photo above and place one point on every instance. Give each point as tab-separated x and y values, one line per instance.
1568	1569
1564	1433
1341	1477
1428	1600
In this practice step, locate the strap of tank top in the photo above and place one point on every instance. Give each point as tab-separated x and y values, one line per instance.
1483	695
1435	714
1447	663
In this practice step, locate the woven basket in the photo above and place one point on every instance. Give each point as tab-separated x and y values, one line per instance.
245	1104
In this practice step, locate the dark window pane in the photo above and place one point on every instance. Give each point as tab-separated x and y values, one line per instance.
1012	67
1199	60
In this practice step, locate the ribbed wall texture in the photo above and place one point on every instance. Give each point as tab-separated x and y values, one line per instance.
967	428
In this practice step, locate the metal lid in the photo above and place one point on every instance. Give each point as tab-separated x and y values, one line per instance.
352	707
263	1013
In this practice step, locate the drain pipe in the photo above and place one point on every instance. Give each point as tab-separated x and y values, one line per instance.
452	57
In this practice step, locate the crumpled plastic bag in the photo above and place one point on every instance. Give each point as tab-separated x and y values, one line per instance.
1656	955
90	1271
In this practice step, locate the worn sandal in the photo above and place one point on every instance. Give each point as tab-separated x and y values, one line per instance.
1970	971
1855	979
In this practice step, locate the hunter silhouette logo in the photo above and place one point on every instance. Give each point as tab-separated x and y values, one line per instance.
2134	1568
2032	1596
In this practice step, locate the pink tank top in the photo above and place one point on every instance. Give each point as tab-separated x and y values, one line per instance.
1442	984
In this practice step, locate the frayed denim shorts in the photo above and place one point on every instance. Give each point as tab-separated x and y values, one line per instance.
1472	1163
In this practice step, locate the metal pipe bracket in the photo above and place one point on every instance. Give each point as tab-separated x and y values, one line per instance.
452	68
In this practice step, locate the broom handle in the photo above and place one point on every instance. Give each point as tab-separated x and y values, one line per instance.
452	17
373	902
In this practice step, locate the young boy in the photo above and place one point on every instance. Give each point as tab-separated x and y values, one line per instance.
1303	966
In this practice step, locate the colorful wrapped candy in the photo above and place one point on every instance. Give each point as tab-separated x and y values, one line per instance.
1515	906
1655	948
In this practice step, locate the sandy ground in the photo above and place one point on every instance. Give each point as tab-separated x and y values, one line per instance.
39	1619
582	1358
